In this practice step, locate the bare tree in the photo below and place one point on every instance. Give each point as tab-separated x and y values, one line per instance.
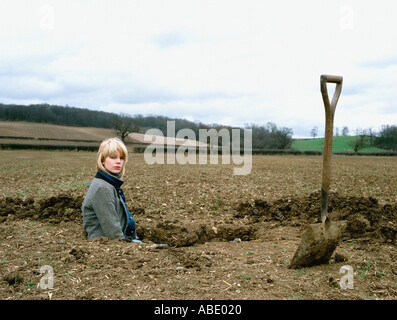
345	131
360	141
124	125
371	135
314	132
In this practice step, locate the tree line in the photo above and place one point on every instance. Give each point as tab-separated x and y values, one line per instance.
67	116
267	136
385	138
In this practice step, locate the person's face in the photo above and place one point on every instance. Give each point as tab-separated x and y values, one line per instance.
114	164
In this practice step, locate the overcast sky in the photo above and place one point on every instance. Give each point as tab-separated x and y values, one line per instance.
227	62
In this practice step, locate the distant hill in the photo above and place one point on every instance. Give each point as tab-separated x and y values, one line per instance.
339	144
28	135
265	137
80	117
21	130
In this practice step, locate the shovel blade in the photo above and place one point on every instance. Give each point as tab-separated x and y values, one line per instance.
318	244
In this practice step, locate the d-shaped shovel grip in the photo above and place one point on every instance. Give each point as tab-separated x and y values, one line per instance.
330	107
329	128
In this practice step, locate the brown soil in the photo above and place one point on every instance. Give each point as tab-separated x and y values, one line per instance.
205	242
364	216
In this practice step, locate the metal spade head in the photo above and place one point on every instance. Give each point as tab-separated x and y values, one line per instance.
318	244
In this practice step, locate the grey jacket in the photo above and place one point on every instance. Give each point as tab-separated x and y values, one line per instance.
103	212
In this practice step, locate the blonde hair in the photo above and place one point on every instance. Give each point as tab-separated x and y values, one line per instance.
109	148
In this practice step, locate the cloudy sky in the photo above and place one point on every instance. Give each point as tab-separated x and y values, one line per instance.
231	62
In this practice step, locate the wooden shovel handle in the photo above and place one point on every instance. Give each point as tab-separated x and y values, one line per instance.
329	128
331	78
330	107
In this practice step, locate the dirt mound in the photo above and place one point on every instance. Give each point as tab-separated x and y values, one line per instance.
364	216
53	209
65	207
193	233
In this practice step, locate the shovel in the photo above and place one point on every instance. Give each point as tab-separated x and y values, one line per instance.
321	239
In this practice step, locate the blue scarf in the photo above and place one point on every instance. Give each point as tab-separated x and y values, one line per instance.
116	182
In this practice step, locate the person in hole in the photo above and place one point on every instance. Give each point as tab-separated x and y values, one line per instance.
105	212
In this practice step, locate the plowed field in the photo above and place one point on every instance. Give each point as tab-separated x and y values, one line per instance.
208	234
